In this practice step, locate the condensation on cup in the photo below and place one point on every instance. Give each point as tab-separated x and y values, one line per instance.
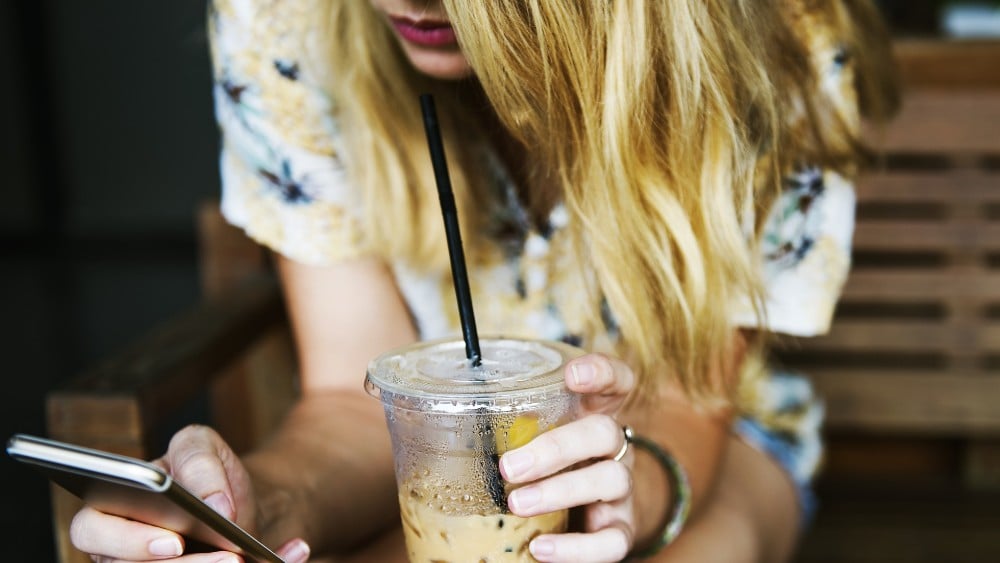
450	422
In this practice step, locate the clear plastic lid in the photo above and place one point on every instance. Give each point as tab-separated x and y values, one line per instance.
515	374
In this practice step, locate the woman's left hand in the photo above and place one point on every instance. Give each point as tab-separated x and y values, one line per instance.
603	488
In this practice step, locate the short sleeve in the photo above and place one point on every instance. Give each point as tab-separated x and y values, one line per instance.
806	240
282	180
805	254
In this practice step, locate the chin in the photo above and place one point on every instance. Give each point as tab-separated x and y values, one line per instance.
444	65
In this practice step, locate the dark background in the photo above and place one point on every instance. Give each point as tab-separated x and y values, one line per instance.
107	144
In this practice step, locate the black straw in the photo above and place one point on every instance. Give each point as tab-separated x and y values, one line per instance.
458	270
488	458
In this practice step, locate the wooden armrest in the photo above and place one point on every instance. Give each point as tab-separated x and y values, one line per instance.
115	405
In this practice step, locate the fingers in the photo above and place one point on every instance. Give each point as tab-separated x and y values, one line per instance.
197	457
113	537
609	544
609	527
601	482
591	437
294	551
603	489
604	382
200	460
218	557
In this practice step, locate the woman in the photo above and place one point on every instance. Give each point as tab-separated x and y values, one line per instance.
660	183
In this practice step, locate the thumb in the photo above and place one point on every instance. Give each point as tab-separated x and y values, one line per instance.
201	461
294	551
604	382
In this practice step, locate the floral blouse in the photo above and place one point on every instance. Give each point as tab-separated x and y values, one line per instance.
285	185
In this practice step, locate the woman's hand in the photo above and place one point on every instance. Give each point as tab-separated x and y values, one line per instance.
603	488
200	460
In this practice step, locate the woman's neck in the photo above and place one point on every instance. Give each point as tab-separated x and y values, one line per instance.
535	189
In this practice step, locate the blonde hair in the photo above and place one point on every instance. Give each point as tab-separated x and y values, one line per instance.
649	120
374	90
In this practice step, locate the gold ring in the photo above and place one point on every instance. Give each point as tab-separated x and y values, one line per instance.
627	431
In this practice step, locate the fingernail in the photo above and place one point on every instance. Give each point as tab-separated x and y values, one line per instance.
583	374
297	552
525	498
168	547
541	547
517	462
220	503
227	559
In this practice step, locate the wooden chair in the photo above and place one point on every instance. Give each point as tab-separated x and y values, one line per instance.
233	352
916	341
908	372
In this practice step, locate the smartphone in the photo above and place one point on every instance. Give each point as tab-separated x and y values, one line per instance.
134	489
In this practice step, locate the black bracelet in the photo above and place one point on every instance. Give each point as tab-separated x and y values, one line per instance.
680	487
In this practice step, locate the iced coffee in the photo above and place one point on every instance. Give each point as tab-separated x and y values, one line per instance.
450	422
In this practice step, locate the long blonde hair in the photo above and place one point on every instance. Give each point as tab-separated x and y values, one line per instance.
649	120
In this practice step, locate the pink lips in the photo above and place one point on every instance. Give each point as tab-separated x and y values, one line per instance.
425	33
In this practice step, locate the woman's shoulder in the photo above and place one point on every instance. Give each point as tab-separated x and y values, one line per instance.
282	176
287	36
267	69
268	24
257	11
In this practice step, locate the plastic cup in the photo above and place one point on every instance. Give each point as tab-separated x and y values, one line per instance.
450	422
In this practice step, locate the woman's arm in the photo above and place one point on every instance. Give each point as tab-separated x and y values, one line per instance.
751	516
695	437
327	475
744	506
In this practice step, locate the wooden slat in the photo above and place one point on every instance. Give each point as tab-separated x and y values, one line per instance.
171	365
251	396
110	423
912	336
948	64
947	186
64	507
944	120
912	235
896	520
227	256
884	335
982	464
926	403
988	337
879	457
898	286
